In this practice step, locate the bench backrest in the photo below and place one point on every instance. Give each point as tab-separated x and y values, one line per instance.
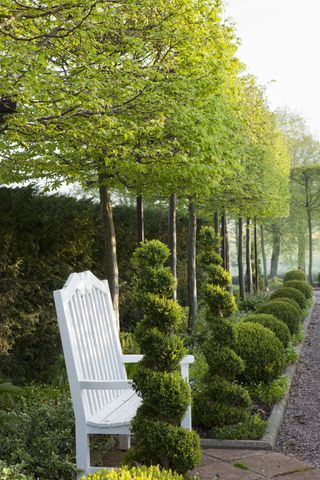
90	339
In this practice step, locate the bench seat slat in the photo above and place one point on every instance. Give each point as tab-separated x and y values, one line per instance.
117	413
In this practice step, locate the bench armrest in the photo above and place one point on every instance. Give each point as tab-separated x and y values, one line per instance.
131	358
105	384
187	359
184	365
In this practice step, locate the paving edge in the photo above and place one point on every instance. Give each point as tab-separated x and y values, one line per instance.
269	439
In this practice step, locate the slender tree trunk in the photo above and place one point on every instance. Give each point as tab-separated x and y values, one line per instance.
216	227
240	258
276	242
216	223
256	257
264	258
140	220
172	237
302	252
310	276
227	248
110	245
192	277
249	281
224	243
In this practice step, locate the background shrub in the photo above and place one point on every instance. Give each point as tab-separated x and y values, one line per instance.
251	304
270	393
262	352
278	327
42	437
280	309
293	293
13	472
294	275
302	286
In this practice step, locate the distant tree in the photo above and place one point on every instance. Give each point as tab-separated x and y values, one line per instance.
306	197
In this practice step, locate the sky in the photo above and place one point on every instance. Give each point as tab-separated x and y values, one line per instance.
280	44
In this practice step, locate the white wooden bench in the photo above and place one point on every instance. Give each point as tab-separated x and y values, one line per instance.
104	401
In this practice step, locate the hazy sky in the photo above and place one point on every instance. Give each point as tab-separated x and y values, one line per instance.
281	47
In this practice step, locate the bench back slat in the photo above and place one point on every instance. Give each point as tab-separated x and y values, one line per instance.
88	328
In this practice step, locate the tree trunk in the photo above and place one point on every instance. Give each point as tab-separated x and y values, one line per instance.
264	258
302	252
240	258
249	281
110	248
256	258
310	276
227	248
216	223
224	243
192	277
172	237
140	220
216	227
276	241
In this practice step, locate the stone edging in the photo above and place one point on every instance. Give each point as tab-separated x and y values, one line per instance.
269	439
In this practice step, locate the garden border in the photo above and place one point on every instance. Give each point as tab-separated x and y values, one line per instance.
269	439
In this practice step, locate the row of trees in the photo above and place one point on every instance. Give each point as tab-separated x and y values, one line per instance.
293	236
146	98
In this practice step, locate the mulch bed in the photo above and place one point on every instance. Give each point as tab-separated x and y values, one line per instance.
300	428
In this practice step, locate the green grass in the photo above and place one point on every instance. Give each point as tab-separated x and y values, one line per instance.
241	465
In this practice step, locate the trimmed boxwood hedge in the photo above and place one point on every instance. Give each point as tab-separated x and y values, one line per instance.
284	311
262	352
293	303
293	293
294	275
278	327
302	286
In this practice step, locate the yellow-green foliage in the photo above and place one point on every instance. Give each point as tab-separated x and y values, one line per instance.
221	303
135	473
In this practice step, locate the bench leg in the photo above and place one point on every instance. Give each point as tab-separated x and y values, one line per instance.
124	442
186	421
82	452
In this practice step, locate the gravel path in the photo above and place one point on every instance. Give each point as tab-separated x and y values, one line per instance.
300	429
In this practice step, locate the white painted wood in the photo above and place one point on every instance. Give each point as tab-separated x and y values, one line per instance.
131	358
104	401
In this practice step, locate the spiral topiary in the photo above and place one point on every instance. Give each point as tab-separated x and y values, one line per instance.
262	352
160	440
278	327
285	312
294	275
289	292
302	286
218	401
